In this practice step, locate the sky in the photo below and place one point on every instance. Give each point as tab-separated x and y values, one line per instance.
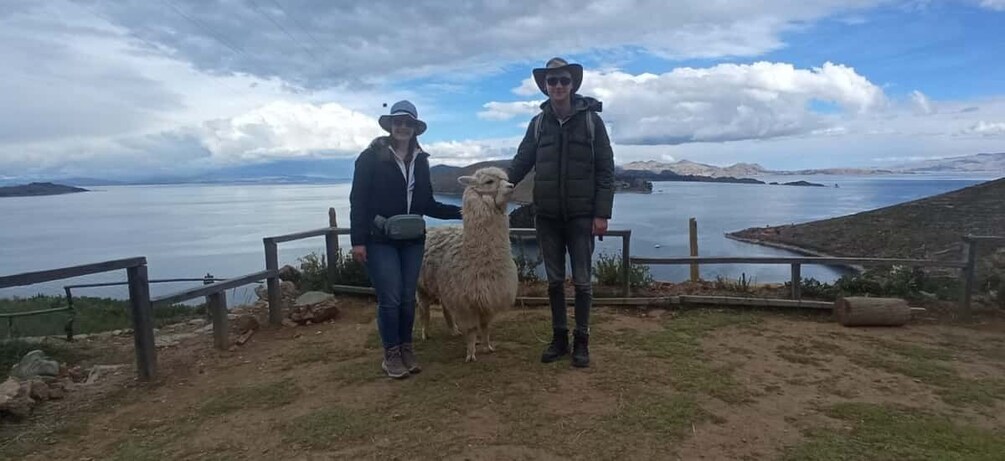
127	88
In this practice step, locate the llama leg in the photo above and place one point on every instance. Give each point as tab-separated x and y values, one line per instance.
486	325
472	337
450	322
422	303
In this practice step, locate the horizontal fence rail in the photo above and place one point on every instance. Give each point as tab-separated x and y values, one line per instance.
31	278
139	301
206	290
825	261
216	301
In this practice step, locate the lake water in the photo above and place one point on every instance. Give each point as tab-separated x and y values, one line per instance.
189	230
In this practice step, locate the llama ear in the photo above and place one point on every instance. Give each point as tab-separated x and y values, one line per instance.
466	180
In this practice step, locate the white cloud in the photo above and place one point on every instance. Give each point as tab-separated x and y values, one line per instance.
508	110
982	128
996	5
466	152
726	102
316	44
284	129
921	102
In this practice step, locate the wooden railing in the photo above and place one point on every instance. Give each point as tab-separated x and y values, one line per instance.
971	243
216	294
139	302
68	290
967	266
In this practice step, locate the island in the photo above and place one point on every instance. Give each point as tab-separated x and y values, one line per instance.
927	228
36	189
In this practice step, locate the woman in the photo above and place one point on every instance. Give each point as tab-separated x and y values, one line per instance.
391	191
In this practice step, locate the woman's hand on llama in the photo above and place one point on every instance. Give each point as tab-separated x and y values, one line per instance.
359	253
599	226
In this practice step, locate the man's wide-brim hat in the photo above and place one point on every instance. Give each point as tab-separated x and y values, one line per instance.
557	65
402	109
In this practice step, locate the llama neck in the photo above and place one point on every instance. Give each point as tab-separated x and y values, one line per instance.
486	230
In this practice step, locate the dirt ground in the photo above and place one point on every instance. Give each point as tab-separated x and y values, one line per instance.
684	384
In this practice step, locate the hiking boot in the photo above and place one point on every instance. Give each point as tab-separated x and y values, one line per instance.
559	346
580	349
392	364
408	358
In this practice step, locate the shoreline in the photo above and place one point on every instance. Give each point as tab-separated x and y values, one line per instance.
793	248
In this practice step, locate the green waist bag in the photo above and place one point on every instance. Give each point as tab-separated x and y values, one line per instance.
402	226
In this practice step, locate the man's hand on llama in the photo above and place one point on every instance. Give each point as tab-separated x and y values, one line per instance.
599	226
359	253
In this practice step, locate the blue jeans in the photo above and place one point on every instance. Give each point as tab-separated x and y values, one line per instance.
555	237
394	272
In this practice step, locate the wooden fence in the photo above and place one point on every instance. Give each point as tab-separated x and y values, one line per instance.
214	290
139	302
967	265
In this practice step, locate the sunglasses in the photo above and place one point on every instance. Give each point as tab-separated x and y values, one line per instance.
553	81
403	121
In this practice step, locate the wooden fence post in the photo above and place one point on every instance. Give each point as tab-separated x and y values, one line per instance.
626	262
143	327
332	245
218	306
969	273
693	238
208	280
797	281
275	297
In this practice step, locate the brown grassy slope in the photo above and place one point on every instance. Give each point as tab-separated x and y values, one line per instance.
931	227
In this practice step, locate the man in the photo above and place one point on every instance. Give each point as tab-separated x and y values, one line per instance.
569	148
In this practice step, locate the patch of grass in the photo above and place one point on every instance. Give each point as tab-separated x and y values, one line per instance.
329	427
953	389
12	351
664	416
91	315
679	343
890	433
260	396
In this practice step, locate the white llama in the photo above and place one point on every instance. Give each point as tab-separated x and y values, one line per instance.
470	269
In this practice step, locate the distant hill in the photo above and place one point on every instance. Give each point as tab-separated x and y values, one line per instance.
38	189
977	163
689	168
931	227
444	179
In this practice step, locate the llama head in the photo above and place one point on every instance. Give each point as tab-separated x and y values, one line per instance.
488	188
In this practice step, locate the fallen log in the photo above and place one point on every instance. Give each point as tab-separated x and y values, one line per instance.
864	311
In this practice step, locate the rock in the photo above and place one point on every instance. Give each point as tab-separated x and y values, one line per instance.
197	322
9	389
291	274
313	297
98	371
38	390
169	340
245	323
244	337
15	398
287	292
314	307
35	364
289	323
76	374
56	393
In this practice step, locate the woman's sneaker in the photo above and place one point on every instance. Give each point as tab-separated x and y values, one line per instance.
392	364
408	358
